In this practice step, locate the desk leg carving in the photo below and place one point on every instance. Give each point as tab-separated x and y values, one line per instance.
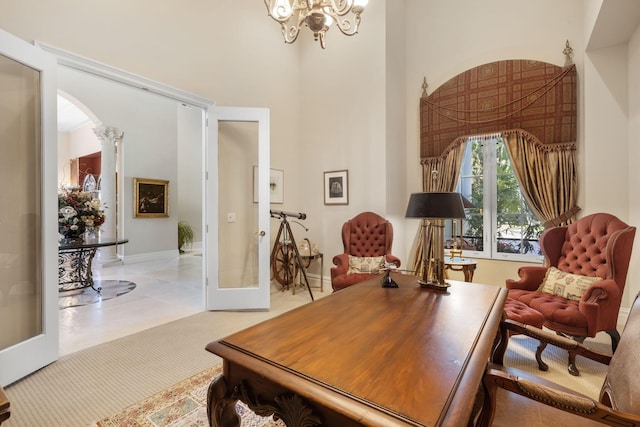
291	409
221	405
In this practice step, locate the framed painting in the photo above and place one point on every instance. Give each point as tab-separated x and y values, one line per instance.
336	187
276	185
150	198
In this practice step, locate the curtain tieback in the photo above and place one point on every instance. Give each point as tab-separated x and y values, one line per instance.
563	218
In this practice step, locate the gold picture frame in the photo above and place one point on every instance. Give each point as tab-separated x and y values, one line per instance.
150	198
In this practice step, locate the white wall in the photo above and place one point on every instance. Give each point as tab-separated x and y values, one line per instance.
611	118
343	126
396	132
149	149
605	131
190	166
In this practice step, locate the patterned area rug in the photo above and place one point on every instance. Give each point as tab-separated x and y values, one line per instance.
184	404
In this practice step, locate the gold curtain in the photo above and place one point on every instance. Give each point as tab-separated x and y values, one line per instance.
546	174
438	174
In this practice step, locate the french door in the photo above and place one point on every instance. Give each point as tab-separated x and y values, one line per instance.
237	210
28	224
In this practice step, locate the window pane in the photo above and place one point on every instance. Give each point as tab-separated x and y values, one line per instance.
472	187
518	230
500	204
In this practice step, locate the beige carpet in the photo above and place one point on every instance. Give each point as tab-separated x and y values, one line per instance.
94	384
521	354
89	385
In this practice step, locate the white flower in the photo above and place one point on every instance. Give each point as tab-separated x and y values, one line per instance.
68	212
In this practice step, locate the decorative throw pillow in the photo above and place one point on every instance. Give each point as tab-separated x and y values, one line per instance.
369	264
566	285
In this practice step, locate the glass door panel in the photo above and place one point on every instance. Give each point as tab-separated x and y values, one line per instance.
238	214
20	270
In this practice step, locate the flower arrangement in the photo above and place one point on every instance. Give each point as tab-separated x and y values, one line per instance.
78	210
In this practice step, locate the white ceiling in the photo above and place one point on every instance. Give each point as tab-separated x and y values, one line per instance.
70	117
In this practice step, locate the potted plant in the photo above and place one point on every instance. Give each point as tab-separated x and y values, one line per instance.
185	235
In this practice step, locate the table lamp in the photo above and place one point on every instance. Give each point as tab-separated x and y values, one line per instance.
433	208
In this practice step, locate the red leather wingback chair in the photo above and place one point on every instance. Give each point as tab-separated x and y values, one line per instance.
365	235
598	245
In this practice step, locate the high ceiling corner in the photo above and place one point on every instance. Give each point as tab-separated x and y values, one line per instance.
616	23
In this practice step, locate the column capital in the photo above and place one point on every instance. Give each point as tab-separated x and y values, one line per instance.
108	133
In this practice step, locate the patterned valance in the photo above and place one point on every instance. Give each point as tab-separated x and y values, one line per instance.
514	94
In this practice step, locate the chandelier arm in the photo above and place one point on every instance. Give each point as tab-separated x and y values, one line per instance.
345	25
290	32
271	8
341	7
321	36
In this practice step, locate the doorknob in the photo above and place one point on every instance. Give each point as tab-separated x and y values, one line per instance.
261	233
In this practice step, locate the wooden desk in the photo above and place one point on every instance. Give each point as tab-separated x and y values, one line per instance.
365	355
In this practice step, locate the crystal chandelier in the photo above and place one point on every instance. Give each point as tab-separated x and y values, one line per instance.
318	15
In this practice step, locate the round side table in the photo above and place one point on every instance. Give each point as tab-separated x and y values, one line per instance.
466	265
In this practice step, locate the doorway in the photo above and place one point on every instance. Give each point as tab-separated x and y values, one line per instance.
162	140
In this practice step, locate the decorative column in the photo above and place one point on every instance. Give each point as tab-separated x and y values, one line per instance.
109	138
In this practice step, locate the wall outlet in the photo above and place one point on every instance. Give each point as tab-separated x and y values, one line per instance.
231	217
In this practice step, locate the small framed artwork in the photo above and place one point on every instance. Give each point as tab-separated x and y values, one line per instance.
150	198
276	185
336	187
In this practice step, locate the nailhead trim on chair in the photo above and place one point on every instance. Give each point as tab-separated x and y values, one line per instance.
556	398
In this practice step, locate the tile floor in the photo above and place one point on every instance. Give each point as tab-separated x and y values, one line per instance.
165	291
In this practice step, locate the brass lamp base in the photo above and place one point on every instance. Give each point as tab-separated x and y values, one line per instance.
433	277
436	286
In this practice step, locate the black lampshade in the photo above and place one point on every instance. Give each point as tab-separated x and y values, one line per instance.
467	203
435	205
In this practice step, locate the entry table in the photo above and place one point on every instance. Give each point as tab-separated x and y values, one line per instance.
75	261
363	356
466	265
